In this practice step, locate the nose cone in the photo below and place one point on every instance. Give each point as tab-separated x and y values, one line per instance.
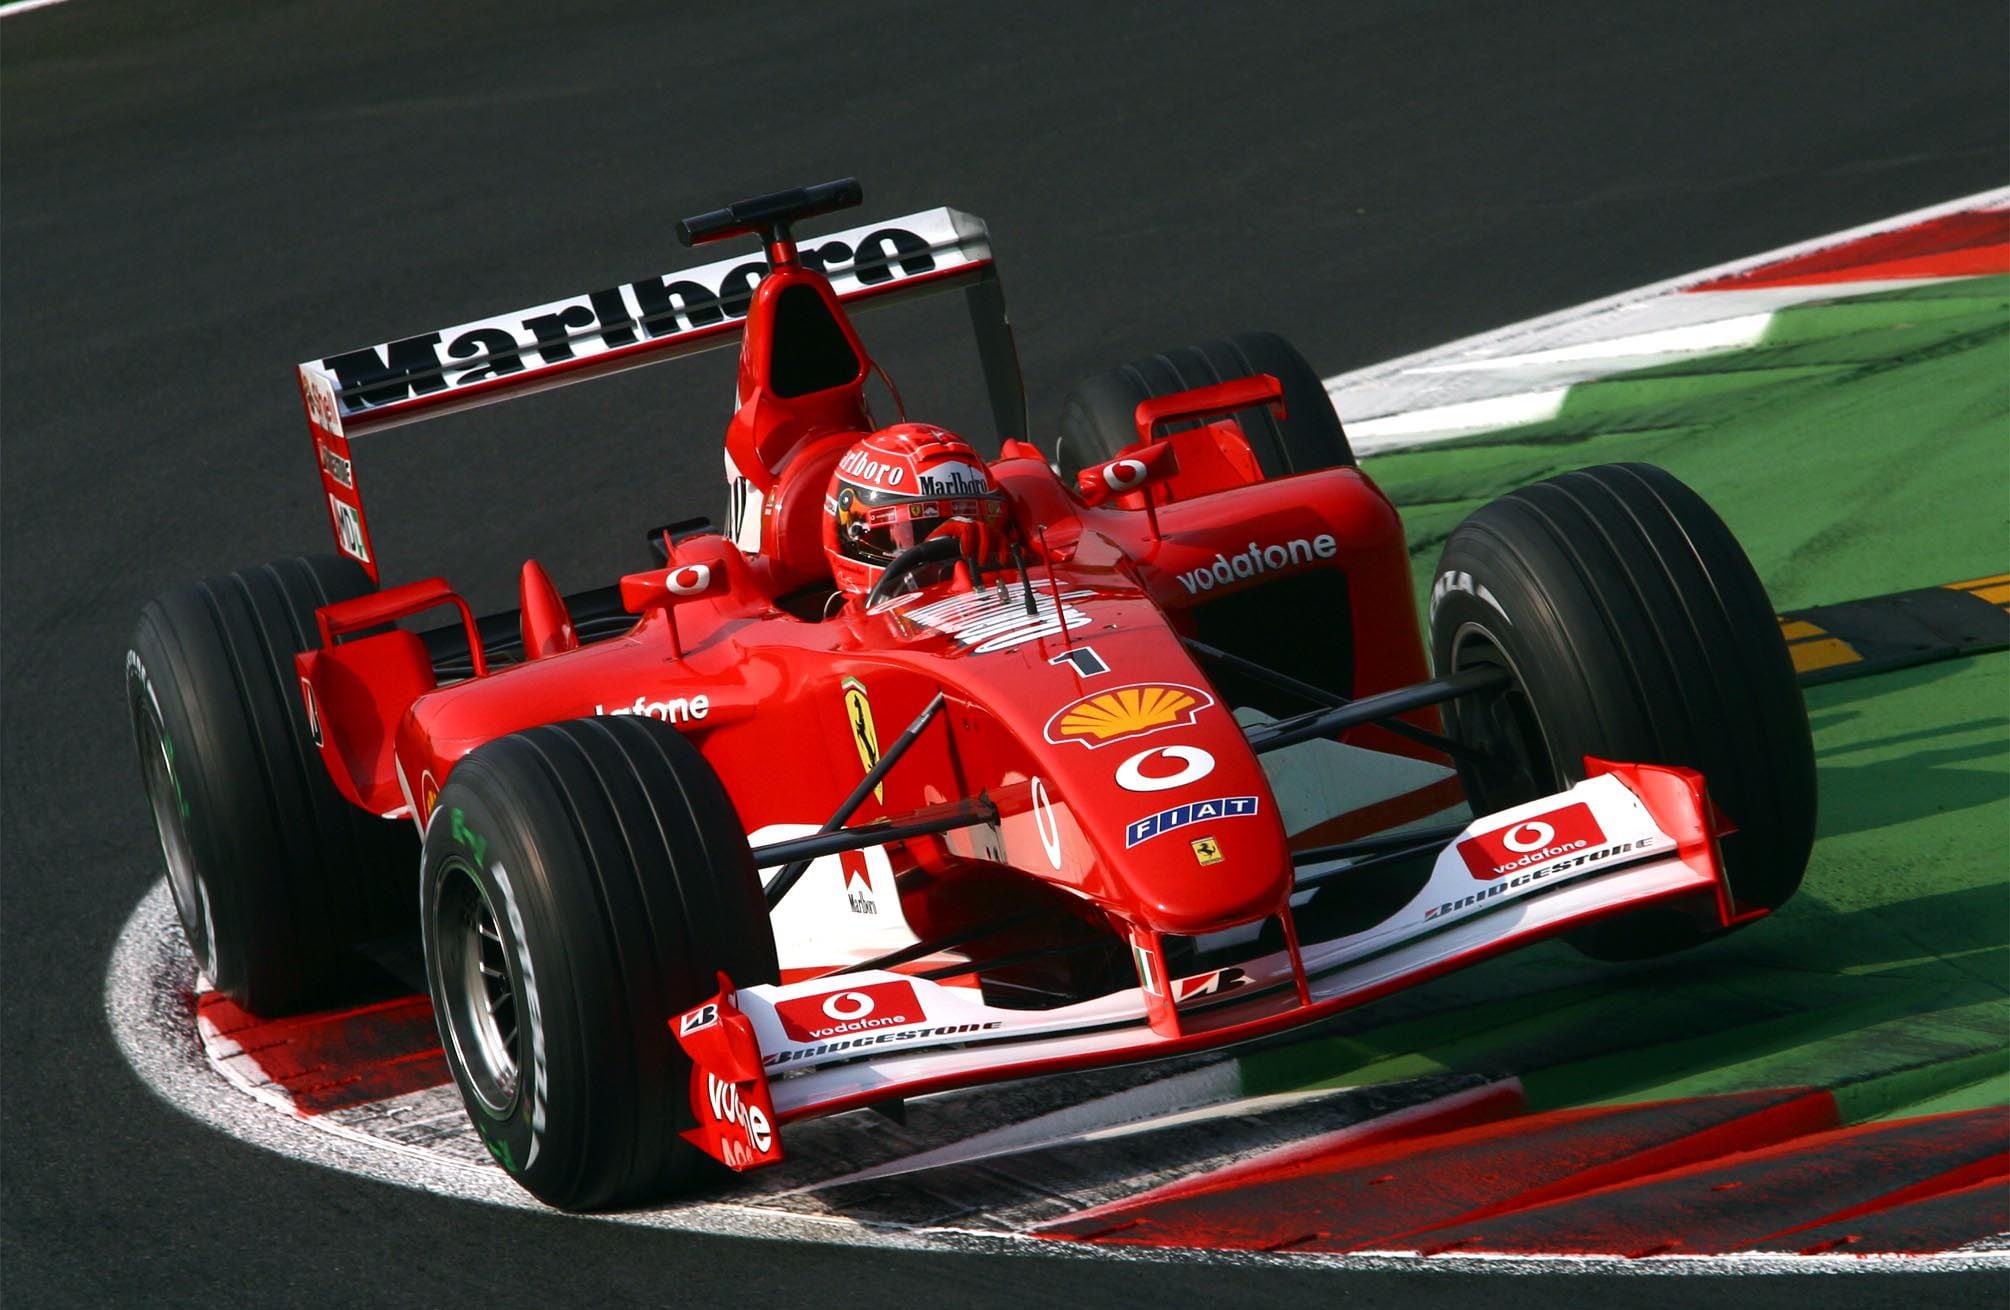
1177	827
1200	846
1159	774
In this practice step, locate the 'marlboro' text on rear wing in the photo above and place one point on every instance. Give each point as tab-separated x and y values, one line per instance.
636	323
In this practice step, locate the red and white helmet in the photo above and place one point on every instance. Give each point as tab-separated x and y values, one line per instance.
899	486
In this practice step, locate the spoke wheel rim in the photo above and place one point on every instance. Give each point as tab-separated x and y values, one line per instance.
480	988
1516	764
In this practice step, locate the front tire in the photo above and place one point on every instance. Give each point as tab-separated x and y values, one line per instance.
583	883
274	874
1634	629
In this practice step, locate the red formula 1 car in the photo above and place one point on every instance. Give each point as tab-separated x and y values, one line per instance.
931	769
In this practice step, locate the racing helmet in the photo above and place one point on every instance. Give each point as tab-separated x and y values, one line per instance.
898	487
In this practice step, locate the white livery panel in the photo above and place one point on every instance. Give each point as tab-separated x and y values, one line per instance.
1510	878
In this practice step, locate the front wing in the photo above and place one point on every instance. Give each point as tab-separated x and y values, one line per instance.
1627	837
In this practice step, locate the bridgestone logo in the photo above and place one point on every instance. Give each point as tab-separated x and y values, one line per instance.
878	1039
1507	885
336	467
1255	560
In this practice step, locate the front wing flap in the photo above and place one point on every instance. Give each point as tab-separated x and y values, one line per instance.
1627	837
729	1094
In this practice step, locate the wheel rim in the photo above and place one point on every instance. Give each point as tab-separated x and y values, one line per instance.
1515	763
479	987
170	810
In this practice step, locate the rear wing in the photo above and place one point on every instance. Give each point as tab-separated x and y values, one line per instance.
635	323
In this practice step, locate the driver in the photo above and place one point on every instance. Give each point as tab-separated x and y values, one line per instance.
901	486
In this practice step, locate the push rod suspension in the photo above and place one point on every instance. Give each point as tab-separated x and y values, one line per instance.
1370	709
921	950
921	823
1379	844
1319	695
1368	854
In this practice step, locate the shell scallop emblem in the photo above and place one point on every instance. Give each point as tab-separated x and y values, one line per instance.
1124	712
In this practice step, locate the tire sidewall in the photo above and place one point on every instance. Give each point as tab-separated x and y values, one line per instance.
468	838
158	724
1637	631
1462	625
288	872
1487	596
163	680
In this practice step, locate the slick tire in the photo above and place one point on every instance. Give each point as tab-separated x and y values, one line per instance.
274	874
1635	629
583	883
1096	418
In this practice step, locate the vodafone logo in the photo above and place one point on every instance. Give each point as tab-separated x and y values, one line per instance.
1549	836
875	1005
1189	764
1124	474
729	1107
689	580
846	1006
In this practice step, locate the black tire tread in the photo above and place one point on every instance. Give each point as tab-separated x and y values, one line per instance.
296	873
640	873
1636	589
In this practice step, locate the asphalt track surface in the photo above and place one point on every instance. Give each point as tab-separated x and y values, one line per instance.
197	196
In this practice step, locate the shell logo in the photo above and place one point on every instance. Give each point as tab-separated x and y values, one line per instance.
1124	712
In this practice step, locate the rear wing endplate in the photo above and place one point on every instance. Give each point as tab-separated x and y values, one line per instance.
636	323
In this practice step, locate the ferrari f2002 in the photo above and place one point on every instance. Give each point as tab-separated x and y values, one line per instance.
931	767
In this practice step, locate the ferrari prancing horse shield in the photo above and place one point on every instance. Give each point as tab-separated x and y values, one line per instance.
858	716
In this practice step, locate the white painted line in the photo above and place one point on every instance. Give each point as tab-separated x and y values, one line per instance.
1964	1260
1446	391
1689	339
23	6
1984	200
1440	422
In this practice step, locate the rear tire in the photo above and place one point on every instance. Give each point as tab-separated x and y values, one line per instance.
583	884
1635	630
274	874
1096	419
